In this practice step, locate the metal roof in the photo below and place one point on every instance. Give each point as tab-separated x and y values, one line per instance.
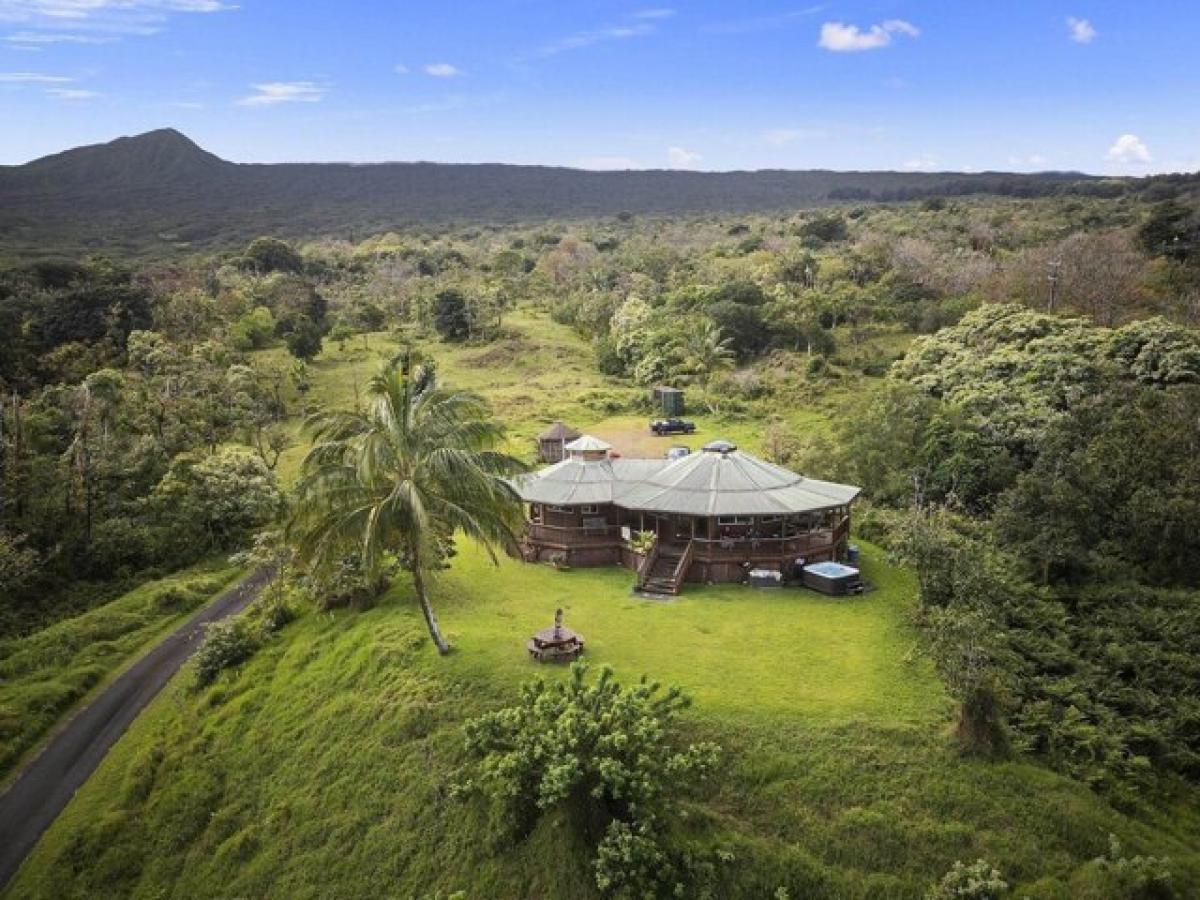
713	483
574	481
588	444
730	483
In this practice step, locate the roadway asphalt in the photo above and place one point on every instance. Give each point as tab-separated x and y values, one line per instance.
34	800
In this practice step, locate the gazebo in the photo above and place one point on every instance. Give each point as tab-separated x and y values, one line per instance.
551	441
714	514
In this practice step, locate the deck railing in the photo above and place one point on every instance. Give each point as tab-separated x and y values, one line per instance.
742	548
747	548
685	563
573	535
647	566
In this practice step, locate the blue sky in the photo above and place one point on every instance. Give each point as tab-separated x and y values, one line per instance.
968	85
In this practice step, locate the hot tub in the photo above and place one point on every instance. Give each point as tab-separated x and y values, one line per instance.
833	578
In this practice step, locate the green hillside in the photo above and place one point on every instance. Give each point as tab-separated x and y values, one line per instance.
321	767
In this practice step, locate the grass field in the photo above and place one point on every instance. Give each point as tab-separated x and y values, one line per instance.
542	372
320	769
45	674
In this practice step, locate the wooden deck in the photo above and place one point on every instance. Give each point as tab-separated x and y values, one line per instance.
673	562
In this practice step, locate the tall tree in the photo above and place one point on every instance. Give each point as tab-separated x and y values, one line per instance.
402	477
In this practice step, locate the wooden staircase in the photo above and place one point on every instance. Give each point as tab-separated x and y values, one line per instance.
666	569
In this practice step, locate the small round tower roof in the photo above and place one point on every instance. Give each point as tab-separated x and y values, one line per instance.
588	444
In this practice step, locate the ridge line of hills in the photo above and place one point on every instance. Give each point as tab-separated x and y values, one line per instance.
160	191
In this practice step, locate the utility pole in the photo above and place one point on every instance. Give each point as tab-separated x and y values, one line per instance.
1053	277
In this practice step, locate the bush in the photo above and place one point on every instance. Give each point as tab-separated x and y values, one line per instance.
172	598
226	644
343	585
1118	877
607	402
273	613
978	881
604	755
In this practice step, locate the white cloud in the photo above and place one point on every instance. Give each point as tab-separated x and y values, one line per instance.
32	78
608	163
400	69
94	21
1129	149
921	164
442	70
273	92
661	13
780	136
679	158
54	37
71	93
1081	31
842	38
598	36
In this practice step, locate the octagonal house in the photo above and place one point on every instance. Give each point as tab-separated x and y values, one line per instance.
714	514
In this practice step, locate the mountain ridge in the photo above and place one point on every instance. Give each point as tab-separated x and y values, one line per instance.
160	191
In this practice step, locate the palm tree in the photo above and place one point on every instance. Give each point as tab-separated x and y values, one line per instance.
399	479
705	350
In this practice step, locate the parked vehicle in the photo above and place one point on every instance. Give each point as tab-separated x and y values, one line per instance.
672	426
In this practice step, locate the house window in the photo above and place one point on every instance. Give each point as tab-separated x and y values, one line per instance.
733	520
589	509
560	509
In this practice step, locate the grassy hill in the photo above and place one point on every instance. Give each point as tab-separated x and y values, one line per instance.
159	192
45	674
321	767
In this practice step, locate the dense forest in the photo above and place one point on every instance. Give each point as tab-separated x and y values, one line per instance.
1014	381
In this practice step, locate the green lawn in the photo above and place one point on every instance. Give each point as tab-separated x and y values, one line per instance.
767	652
320	769
45	674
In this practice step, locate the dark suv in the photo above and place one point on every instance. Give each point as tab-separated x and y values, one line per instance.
672	426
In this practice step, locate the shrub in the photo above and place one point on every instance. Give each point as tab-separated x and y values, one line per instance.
226	644
606	402
605	756
172	598
273	613
978	881
343	585
1118	877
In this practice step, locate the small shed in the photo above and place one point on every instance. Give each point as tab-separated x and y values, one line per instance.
668	399
553	439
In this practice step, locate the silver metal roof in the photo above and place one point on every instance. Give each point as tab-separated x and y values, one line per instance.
574	481
587	444
710	483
